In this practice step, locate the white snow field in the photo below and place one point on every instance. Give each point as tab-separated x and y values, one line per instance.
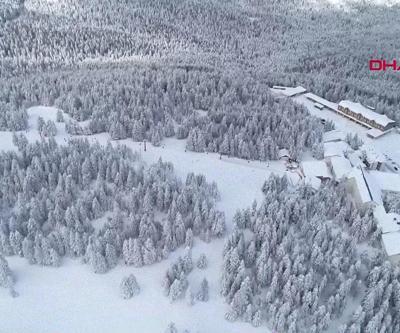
72	298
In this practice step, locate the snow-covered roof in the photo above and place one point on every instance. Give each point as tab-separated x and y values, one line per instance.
391	242
360	185
336	148
354	159
374	187
386	221
375	133
318	106
335	135
341	167
321	100
387	181
314	170
366	112
290	91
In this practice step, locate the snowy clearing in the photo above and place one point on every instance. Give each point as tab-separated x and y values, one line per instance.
32	134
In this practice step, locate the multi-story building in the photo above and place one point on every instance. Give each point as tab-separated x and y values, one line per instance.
365	116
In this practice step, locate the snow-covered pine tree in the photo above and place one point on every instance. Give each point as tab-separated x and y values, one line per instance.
202	262
129	287
203	294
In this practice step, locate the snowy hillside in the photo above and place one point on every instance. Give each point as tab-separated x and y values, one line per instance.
190	166
229	174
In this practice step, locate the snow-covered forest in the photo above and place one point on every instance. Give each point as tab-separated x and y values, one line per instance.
300	268
241	118
53	197
314	44
94	92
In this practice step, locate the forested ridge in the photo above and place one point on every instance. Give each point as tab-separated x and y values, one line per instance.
317	45
216	112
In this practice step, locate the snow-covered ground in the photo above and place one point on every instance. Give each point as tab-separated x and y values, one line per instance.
32	134
74	299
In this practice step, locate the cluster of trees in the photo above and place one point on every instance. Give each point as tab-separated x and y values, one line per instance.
53	199
354	141
175	282
12	118
46	129
300	266
379	308
129	287
257	129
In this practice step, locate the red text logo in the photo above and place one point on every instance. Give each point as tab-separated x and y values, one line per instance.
383	65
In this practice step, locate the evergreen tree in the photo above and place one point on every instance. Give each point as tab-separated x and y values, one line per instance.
129	287
202	262
202	294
